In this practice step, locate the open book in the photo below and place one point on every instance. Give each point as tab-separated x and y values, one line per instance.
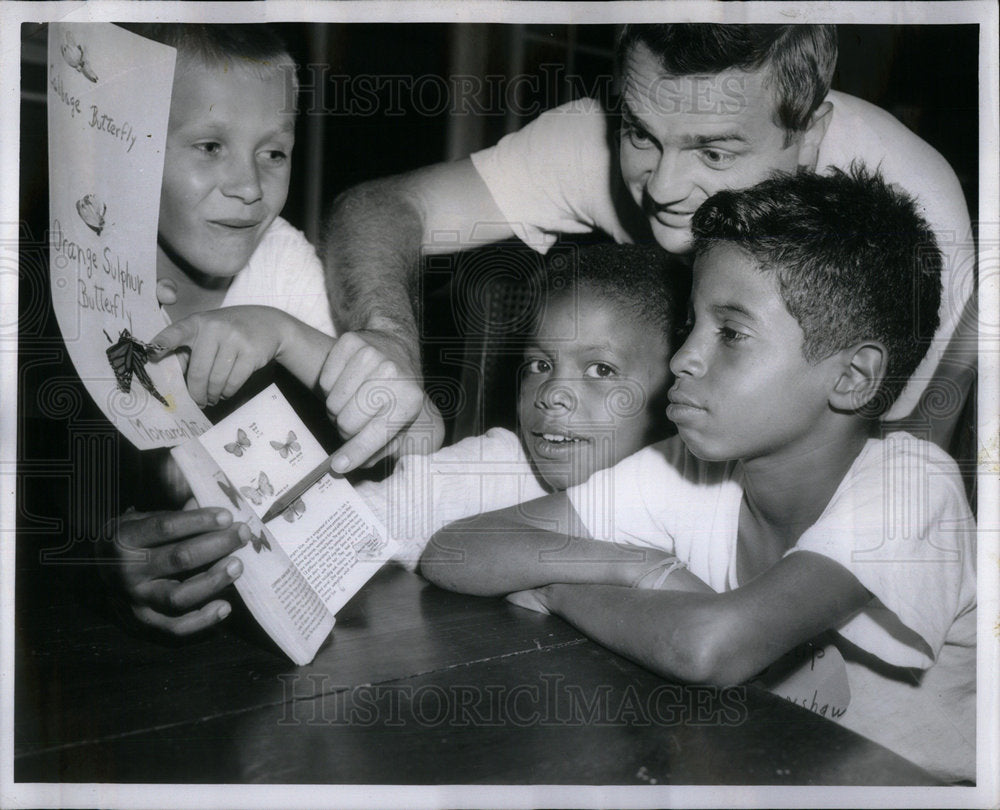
303	566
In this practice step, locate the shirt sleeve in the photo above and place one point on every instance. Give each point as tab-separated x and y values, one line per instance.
559	174
900	523
425	493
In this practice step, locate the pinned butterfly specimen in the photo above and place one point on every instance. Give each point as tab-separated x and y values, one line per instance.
242	442
264	489
226	486
91	211
295	510
288	447
75	57
259	542
129	356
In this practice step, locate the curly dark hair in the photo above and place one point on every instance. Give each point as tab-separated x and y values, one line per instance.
643	280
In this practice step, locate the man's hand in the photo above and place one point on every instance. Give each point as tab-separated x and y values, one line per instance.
375	394
148	553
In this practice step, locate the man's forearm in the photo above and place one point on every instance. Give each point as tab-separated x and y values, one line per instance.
371	256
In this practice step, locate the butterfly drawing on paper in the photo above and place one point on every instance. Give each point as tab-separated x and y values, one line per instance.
242	442
226	486
75	57
287	448
256	494
91	211
295	510
128	357
368	547
259	541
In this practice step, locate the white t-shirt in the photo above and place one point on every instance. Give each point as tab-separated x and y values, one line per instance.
899	522
284	272
425	493
561	174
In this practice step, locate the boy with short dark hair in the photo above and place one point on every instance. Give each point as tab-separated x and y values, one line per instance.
812	300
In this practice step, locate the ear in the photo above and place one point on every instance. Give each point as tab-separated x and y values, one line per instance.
862	371
812	137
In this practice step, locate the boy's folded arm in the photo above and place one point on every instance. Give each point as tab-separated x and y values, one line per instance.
527	546
719	638
227	345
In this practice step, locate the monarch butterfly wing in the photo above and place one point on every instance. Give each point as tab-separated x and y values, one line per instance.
143	377
120	356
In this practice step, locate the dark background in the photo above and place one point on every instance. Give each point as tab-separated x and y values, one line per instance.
74	471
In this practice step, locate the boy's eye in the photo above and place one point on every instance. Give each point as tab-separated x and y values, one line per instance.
717	158
275	156
599	371
539	366
209	147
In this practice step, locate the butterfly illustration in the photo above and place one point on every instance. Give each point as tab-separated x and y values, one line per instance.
290	446
75	57
91	211
129	356
295	510
226	486
368	547
259	492
237	447
259	542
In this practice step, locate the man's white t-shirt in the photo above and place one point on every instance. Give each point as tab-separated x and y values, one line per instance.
899	522
560	174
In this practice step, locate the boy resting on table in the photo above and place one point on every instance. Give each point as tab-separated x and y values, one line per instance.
592	391
778	514
221	243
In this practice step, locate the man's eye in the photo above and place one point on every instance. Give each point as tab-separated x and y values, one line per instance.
539	366
717	159
599	371
730	336
637	137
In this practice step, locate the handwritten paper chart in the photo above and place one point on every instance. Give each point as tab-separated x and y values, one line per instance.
108	107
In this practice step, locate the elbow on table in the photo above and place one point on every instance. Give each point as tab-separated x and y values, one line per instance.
710	651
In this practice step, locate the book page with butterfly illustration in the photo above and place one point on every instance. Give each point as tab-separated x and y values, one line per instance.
333	541
108	106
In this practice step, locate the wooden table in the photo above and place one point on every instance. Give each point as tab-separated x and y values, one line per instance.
417	686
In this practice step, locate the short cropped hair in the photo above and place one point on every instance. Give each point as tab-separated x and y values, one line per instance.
799	59
644	281
254	47
853	258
